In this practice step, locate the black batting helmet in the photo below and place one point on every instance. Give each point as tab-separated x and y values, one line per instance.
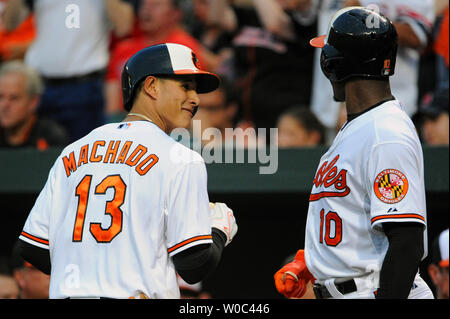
360	43
164	59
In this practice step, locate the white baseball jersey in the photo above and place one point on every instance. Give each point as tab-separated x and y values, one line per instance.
372	173
117	204
419	14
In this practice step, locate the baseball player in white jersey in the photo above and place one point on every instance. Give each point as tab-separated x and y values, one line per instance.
413	20
126	207
366	223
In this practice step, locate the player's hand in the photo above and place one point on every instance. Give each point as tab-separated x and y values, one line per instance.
223	219
292	279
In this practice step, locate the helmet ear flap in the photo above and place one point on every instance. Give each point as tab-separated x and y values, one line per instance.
331	62
329	65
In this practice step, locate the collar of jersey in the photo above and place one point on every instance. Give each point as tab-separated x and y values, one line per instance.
353	116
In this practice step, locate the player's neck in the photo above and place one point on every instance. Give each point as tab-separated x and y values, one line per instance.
141	112
361	95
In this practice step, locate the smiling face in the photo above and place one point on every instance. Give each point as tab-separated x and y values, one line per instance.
179	101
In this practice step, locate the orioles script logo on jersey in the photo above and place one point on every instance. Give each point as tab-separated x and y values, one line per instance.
90	153
329	177
391	186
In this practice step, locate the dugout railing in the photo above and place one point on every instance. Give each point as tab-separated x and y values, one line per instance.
270	209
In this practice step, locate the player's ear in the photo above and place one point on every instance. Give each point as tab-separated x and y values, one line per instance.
151	86
433	272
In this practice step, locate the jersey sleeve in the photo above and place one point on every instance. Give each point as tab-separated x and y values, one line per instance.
396	184
36	228
188	214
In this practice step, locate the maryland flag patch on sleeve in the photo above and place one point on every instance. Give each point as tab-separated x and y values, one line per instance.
391	186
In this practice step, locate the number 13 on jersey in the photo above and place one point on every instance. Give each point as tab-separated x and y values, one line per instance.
112	208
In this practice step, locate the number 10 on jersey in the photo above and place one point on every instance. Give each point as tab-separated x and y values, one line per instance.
327	221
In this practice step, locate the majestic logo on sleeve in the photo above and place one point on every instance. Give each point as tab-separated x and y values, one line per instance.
391	186
333	180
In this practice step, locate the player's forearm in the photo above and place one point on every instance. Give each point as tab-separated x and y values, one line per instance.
196	263
274	18
121	15
401	261
13	14
221	14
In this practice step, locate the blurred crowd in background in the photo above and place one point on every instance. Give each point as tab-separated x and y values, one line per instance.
61	63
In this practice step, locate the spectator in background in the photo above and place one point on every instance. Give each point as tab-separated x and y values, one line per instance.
218	111
441	48
33	283
9	288
20	92
299	127
135	31
71	53
211	36
272	55
434	118
160	21
413	20
217	117
438	268
14	44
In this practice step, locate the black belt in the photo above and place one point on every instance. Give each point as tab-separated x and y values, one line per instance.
345	287
74	79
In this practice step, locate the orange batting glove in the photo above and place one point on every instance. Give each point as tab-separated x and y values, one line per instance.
291	280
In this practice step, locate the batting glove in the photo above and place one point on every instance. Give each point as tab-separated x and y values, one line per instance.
223	219
291	280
